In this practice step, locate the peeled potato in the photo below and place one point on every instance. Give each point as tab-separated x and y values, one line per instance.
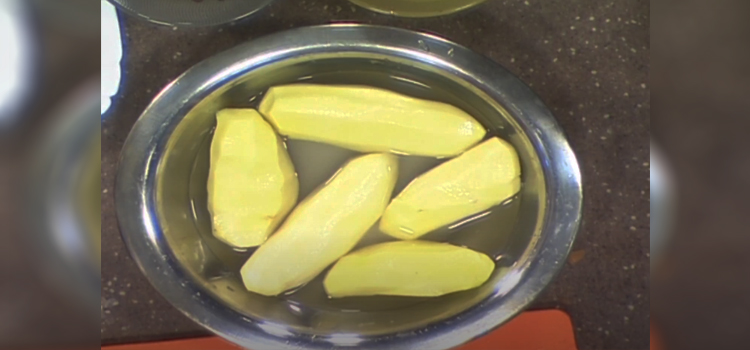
477	180
408	268
368	119
324	227
252	184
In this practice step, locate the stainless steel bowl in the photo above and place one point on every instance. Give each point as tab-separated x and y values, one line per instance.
417	8
190	13
160	191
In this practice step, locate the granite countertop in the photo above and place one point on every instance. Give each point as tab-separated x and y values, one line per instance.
587	59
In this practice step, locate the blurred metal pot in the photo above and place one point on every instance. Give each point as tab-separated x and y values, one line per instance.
65	198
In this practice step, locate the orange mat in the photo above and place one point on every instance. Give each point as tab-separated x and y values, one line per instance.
533	330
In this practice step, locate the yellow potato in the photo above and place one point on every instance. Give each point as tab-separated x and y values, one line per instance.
368	119
323	227
477	180
252	184
408	268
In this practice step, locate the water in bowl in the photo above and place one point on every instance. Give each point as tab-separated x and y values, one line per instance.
488	232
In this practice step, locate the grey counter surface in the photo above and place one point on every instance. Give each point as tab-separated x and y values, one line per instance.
587	59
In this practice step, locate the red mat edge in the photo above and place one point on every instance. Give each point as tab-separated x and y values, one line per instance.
532	330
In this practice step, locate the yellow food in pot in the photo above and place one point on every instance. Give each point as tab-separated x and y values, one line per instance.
323	227
477	180
252	184
408	268
368	119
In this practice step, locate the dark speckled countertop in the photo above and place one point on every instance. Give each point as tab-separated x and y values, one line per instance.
587	59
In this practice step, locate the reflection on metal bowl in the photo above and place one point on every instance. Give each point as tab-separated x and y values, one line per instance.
16	66
162	176
662	201
65	198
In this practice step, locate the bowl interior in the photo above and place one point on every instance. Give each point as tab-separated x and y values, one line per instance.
507	234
